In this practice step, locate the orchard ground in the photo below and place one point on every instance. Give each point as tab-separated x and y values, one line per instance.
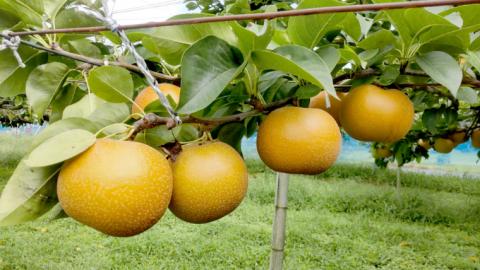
351	217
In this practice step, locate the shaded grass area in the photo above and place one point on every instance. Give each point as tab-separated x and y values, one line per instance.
373	175
350	217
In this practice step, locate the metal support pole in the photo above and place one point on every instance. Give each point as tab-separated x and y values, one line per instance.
399	183
279	223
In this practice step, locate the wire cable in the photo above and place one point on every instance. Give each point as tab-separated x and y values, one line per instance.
257	16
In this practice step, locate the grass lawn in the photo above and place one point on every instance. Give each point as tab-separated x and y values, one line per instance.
351	217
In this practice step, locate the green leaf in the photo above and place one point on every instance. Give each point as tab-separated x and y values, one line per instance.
238	7
468	95
232	134
29	193
389	75
12	77
405	79
438	121
60	148
475	46
398	19
428	27
170	42
114	131
207	68
365	24
309	30
428	30
330	55
157	106
298	61
351	26
64	98
52	7
280	38
62	126
430	119
187	133
254	36
377	40
348	55
442	68
68	18
97	110
110	113
307	91
473	57
161	135
84	108
7	20
30	12
113	84
83	47
157	136
469	14
251	126
43	84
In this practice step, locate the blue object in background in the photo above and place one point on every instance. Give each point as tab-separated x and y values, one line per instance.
356	151
352	150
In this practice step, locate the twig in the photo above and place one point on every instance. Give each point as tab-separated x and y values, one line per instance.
474	124
369	72
471	81
258	16
93	61
361	74
152	120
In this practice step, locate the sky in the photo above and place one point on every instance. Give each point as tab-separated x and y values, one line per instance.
128	11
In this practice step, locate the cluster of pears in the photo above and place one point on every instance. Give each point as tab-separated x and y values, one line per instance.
122	188
307	141
446	144
372	114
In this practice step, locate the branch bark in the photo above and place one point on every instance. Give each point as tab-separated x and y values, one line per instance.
369	72
93	61
152	120
258	16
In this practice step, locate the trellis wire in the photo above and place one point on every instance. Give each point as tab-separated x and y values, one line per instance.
258	16
114	27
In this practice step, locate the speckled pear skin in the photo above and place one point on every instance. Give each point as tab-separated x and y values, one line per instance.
443	145
119	188
210	181
299	140
369	113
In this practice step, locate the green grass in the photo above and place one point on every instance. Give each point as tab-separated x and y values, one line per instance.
350	217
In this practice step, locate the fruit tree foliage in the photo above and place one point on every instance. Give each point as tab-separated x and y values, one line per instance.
230	68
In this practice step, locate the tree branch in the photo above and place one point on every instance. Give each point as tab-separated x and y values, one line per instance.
258	16
93	61
357	75
152	120
369	72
